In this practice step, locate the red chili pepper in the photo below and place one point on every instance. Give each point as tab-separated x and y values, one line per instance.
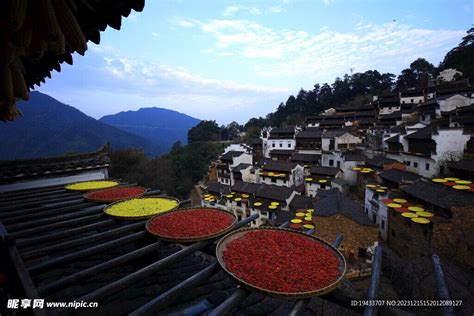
191	223
115	194
281	261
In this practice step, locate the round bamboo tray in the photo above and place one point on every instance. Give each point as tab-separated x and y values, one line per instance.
93	189
190	239
221	246
87	198
144	216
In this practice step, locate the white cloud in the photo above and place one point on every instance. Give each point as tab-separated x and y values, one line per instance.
184	22
231	10
155	34
327	2
280	53
276	9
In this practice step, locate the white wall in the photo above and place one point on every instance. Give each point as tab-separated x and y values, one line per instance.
388	109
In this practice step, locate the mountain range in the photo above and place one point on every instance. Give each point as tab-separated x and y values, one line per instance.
161	126
50	128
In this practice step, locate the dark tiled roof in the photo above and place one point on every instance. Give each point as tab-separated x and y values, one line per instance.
282	132
336	132
228	156
391	116
301	202
354	156
393	139
309	158
310	132
332	202
217	187
399	176
241	166
281	152
282	166
398	129
326	171
438	195
246	187
54	166
379	161
464	164
274	192
256	141
422	133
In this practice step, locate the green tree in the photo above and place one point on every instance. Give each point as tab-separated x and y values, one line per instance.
462	56
204	131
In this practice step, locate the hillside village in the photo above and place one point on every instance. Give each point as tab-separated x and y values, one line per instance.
396	171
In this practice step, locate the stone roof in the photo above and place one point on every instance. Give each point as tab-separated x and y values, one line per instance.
438	195
398	176
19	170
331	202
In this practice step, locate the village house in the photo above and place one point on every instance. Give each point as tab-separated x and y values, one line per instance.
309	141
320	178
282	173
229	160
336	213
427	150
345	161
449	231
340	139
282	138
375	209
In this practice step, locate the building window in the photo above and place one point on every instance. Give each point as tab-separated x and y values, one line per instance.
274	180
366	210
281	145
427	166
415	164
273	144
331	162
289	145
411	100
408	163
338	164
374	218
382	224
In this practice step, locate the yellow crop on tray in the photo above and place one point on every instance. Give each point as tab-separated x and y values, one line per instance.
141	207
91	185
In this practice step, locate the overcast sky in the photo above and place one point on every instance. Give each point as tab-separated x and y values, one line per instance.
233	60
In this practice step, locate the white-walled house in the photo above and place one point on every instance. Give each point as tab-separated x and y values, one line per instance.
320	178
281	138
340	139
376	210
345	161
427	150
230	160
282	173
448	75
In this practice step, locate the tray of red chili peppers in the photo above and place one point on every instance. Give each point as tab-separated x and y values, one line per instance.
114	194
191	224
281	262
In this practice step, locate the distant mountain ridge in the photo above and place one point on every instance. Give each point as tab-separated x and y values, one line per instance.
50	128
162	126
